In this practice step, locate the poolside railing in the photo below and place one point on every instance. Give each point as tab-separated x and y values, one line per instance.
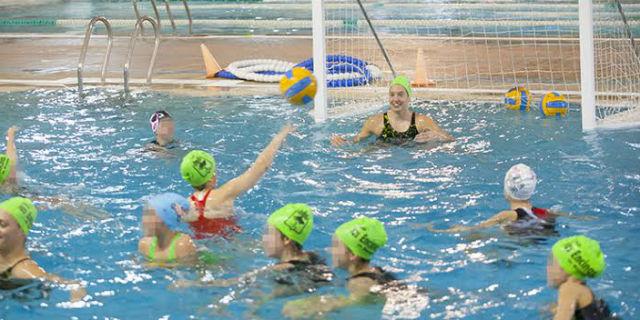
85	45
132	44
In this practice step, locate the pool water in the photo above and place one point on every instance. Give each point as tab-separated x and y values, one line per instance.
89	150
45	17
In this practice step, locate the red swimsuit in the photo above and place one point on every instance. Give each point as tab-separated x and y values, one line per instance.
204	228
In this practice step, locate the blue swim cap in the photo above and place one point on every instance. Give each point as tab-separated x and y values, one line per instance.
163	205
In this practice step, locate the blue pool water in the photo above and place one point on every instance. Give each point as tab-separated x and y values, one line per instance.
90	151
44	17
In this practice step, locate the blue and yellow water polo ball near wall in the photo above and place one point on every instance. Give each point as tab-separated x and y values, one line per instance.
298	85
517	98
554	104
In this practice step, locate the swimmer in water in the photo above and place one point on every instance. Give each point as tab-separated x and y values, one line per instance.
9	164
163	128
571	261
16	219
161	243
211	211
399	124
353	246
522	217
296	271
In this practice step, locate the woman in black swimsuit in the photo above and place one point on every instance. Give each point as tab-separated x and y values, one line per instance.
399	124
16	218
354	244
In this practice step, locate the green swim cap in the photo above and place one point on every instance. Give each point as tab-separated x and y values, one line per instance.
295	221
579	256
5	167
198	167
403	82
363	236
22	210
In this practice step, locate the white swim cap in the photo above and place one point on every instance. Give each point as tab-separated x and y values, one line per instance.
520	182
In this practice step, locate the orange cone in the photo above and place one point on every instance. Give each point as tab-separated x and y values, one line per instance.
210	64
420	77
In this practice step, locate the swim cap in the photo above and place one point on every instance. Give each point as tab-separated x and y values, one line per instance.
295	221
520	182
163	205
5	167
154	121
579	256
363	236
22	210
403	82
198	167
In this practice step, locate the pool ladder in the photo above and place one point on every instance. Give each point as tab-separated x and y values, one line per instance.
132	44
157	14
83	53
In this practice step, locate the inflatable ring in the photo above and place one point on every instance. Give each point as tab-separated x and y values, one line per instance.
260	70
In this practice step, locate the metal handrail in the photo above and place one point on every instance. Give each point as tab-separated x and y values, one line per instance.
132	44
186	8
155	11
83	52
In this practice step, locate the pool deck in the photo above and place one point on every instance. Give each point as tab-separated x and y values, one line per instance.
50	60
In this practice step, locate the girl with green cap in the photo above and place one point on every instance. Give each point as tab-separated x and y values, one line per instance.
16	219
399	124
353	246
572	260
211	210
286	231
297	271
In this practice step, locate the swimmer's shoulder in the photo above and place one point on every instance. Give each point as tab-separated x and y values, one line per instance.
507	215
144	244
185	246
27	269
375	123
578	292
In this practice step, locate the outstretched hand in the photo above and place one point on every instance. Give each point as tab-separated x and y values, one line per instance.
338	141
11	132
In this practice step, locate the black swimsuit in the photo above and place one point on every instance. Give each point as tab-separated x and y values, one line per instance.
534	222
314	270
8	282
596	310
380	276
391	135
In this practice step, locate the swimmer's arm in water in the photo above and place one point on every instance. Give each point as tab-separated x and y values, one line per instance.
219	283
371	127
429	131
30	270
12	153
359	291
567	301
230	190
572	216
504	216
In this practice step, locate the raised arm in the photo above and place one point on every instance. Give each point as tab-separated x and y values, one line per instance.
430	131
12	153
499	218
249	178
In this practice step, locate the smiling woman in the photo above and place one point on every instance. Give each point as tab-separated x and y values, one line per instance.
399	124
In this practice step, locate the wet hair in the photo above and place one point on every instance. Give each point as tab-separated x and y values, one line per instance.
295	244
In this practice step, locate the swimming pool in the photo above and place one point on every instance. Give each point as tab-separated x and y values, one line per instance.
286	17
90	150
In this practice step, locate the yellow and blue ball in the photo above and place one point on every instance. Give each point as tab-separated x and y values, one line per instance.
517	98
298	85
554	104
